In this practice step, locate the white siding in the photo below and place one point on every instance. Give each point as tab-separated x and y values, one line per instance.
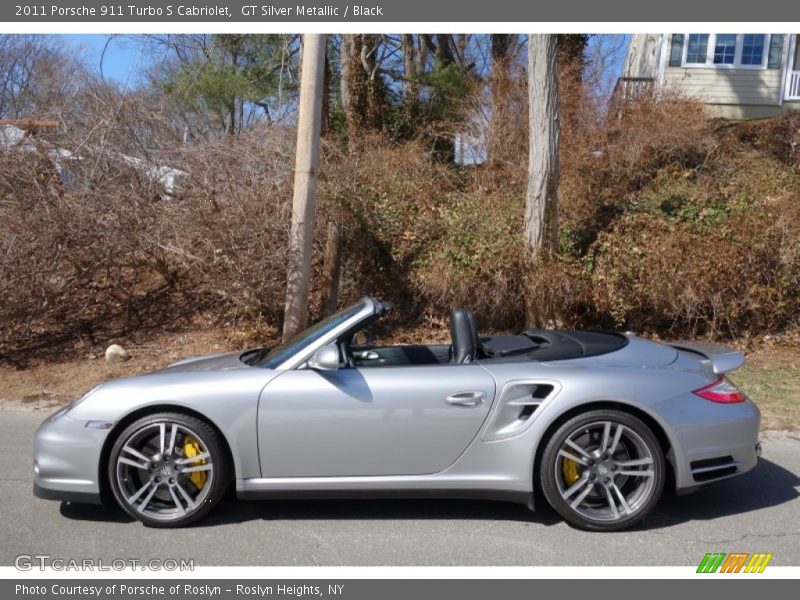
726	86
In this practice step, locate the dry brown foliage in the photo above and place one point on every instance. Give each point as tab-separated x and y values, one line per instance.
669	223
110	253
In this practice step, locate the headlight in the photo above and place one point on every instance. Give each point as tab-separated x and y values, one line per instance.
80	399
58	414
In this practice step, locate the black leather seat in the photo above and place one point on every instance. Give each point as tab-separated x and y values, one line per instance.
464	331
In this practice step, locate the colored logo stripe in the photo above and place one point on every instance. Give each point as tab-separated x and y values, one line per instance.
758	563
735	562
711	562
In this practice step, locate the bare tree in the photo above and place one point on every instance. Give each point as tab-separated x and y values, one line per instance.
363	89
411	70
345	56
37	75
332	266
305	184
541	203
501	57
327	117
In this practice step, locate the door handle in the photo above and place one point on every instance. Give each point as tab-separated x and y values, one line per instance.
467	399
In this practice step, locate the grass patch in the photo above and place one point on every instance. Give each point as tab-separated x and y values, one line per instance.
771	378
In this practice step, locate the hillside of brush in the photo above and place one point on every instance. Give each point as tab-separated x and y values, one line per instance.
671	223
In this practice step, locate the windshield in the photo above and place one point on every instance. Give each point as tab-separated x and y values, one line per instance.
282	352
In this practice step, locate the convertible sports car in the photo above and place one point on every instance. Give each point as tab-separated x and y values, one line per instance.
596	422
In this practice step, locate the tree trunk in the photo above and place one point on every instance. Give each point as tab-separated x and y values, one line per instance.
571	65
332	267
541	203
325	120
305	184
410	75
376	94
355	109
641	59
444	51
498	121
424	47
345	53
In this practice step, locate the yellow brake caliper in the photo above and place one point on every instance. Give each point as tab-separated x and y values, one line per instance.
191	447
570	471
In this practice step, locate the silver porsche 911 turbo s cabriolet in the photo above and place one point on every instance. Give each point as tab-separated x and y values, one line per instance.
598	422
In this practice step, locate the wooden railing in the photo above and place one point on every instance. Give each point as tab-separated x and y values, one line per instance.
793	92
628	88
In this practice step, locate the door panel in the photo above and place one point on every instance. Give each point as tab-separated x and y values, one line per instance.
369	420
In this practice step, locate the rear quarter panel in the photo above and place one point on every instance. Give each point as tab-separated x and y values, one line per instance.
581	383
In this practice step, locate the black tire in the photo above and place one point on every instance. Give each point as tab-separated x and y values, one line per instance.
177	487
598	478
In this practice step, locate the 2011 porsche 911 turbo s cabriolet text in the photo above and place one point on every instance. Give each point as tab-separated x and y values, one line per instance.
598	422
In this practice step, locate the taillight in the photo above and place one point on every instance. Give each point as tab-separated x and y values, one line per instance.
722	391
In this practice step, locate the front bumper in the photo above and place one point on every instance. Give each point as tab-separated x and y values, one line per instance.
66	460
65	496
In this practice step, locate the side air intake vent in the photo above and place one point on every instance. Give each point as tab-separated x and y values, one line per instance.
542	391
516	408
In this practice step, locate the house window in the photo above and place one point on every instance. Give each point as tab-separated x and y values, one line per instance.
753	48
726	50
697	48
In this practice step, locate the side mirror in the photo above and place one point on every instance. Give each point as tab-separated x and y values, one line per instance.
325	359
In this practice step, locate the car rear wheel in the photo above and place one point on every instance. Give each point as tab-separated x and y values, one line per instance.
168	469
603	470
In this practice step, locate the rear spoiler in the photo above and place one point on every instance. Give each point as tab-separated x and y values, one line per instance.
719	358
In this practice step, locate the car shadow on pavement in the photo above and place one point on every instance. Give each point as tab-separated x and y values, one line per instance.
93	512
767	485
233	511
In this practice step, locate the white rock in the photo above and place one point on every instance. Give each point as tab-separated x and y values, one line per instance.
116	353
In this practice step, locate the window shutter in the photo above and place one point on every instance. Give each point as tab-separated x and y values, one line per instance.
676	50
775	51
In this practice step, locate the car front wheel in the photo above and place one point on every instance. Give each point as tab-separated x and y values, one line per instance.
603	470
168	469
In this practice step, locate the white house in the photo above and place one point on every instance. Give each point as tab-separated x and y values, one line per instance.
738	75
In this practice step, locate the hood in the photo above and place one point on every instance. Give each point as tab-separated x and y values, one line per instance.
222	361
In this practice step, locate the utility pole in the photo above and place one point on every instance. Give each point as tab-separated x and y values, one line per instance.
304	201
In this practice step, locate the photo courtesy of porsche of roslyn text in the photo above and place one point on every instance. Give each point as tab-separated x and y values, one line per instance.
399	299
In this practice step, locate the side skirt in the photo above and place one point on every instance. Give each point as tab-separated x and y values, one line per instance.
374	487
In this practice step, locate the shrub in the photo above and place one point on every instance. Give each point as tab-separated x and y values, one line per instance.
109	255
670	223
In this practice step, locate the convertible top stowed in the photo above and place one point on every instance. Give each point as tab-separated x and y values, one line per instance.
549	345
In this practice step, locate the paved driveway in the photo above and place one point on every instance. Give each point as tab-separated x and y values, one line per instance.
759	511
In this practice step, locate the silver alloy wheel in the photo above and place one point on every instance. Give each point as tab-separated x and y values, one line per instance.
615	474
155	474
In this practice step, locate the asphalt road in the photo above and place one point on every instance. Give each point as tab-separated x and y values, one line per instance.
757	512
